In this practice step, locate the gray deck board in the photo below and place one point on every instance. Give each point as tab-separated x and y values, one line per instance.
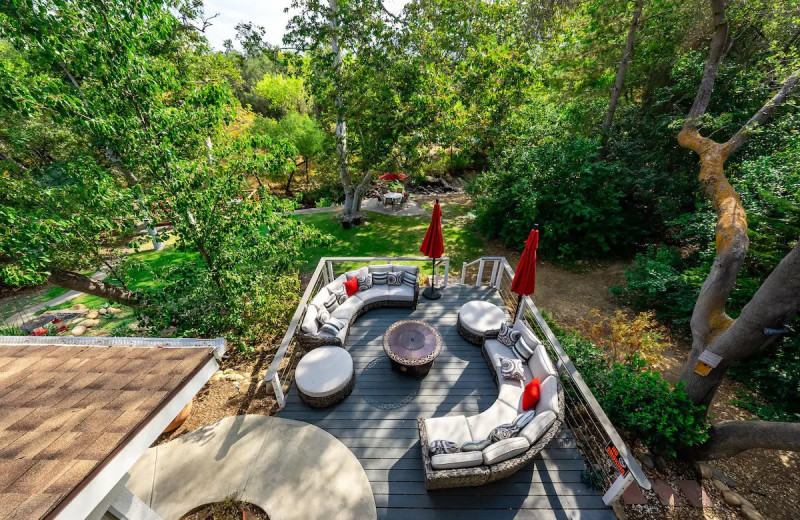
378	423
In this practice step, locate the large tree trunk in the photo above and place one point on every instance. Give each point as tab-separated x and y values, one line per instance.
341	124
730	438
83	283
616	90
776	300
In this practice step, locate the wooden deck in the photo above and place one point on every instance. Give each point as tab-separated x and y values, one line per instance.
378	423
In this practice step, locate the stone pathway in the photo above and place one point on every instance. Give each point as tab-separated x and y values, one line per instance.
291	469
19	318
409	209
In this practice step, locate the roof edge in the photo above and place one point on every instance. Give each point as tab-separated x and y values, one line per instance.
217	345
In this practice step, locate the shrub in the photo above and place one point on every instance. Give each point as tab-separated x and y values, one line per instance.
622	337
635	399
563	186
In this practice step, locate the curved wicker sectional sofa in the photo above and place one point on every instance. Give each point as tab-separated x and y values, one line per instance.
508	405
308	334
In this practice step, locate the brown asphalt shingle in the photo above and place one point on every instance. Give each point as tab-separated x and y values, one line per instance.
64	410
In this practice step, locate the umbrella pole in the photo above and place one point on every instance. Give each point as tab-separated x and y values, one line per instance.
519	306
431	292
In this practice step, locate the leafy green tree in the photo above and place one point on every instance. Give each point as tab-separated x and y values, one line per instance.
156	115
284	95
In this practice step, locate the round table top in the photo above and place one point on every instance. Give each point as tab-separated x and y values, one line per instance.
481	316
393	195
324	371
412	342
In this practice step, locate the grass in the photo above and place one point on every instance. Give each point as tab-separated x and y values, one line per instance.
388	235
14	304
380	235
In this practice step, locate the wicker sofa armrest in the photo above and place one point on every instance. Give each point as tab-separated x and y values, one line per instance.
312	341
491	334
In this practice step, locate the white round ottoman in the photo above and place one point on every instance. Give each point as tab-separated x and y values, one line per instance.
325	376
476	317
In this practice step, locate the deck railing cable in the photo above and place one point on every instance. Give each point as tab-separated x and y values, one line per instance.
593	431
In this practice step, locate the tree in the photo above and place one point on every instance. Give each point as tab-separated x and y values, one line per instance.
778	298
622	68
156	113
284	95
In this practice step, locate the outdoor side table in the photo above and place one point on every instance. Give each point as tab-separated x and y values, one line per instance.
476	317
412	346
394	197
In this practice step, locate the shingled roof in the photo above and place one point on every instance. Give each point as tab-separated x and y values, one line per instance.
66	411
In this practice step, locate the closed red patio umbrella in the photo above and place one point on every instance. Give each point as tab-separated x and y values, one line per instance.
433	247
524	281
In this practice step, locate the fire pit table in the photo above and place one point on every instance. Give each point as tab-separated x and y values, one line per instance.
412	346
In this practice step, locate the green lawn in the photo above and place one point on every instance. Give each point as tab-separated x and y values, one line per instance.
380	235
12	305
388	235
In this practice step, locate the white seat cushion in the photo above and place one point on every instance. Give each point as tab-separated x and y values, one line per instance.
378	293
346	310
548	398
479	316
324	371
505	449
499	413
463	459
536	428
400	293
310	325
511	394
451	428
540	364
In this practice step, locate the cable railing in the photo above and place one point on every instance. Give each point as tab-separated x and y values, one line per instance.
281	370
610	466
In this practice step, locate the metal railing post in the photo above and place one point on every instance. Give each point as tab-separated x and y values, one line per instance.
493	278
617	488
329	270
499	279
276	387
446	272
463	273
480	274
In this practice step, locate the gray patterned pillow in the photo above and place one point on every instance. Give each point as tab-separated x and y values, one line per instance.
522	349
512	368
331	303
439	447
380	278
504	431
524	418
322	316
340	293
365	282
508	336
394	278
475	445
409	279
332	327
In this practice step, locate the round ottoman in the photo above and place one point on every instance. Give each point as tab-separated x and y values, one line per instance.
325	376
476	317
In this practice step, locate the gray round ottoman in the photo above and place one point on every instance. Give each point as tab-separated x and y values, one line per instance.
476	317
325	376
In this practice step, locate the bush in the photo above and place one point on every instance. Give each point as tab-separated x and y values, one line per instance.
622	337
563	186
635	399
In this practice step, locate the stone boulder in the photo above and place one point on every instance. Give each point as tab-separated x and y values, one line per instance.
78	331
92	315
79	307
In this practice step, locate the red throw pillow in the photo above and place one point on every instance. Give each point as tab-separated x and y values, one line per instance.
351	286
531	394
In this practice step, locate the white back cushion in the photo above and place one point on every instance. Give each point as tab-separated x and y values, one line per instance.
548	398
540	364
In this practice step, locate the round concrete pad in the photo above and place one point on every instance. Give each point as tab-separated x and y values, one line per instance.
291	469
324	371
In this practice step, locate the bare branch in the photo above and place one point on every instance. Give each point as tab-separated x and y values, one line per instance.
763	115
716	49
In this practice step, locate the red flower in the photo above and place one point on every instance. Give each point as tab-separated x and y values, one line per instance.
62	328
41	331
57	320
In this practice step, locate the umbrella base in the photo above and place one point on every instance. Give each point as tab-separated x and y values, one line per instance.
432	293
